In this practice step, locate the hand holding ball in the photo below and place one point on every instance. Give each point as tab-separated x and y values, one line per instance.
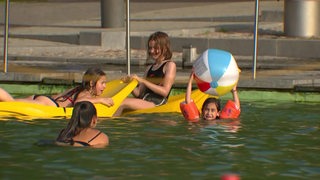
216	72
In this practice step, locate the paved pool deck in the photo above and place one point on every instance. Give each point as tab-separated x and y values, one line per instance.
54	42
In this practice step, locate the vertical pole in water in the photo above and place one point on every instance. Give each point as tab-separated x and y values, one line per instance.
256	20
5	39
128	37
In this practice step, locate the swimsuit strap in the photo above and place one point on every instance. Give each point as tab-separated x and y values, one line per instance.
68	95
94	137
85	143
81	142
71	100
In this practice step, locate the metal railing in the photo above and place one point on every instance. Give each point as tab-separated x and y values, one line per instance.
6	37
295	18
255	40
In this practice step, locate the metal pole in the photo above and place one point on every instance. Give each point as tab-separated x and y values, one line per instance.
128	37
256	20
5	39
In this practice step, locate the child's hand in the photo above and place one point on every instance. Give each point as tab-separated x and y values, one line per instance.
108	102
134	76
126	79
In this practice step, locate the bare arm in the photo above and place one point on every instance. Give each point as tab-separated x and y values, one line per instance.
95	100
189	89
235	96
168	81
141	87
5	96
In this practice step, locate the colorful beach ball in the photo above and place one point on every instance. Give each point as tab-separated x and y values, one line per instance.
216	72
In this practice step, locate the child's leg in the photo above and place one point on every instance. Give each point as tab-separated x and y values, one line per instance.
5	96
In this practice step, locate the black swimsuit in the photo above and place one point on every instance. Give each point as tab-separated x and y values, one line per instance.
35	97
87	143
54	100
156	77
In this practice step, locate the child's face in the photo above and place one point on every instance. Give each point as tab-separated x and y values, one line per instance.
154	50
101	85
210	112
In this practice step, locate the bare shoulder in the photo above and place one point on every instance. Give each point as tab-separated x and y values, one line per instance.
101	141
83	95
147	69
170	65
103	138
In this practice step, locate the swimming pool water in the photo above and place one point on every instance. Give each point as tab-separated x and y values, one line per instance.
278	140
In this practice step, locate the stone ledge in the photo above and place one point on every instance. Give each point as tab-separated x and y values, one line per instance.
107	39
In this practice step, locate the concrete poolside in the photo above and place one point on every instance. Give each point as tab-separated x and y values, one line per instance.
46	44
297	95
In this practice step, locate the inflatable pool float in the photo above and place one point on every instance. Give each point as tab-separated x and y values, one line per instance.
173	104
116	89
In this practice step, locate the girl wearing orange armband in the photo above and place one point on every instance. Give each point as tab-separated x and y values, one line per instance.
211	107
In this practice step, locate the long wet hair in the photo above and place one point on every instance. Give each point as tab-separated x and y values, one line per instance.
91	75
162	40
211	100
82	115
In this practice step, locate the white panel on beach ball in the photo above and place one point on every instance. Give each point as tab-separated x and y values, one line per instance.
216	72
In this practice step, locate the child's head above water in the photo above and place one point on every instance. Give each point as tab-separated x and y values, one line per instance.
94	80
210	109
159	45
83	114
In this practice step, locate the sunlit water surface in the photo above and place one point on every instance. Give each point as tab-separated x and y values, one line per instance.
271	140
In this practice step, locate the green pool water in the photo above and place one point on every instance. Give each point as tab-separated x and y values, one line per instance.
271	140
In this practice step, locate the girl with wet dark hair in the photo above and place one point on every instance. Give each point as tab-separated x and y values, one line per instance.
80	130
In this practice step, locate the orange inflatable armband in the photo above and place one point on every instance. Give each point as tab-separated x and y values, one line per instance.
230	111
190	111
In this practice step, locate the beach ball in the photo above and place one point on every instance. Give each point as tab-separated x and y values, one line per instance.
216	72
